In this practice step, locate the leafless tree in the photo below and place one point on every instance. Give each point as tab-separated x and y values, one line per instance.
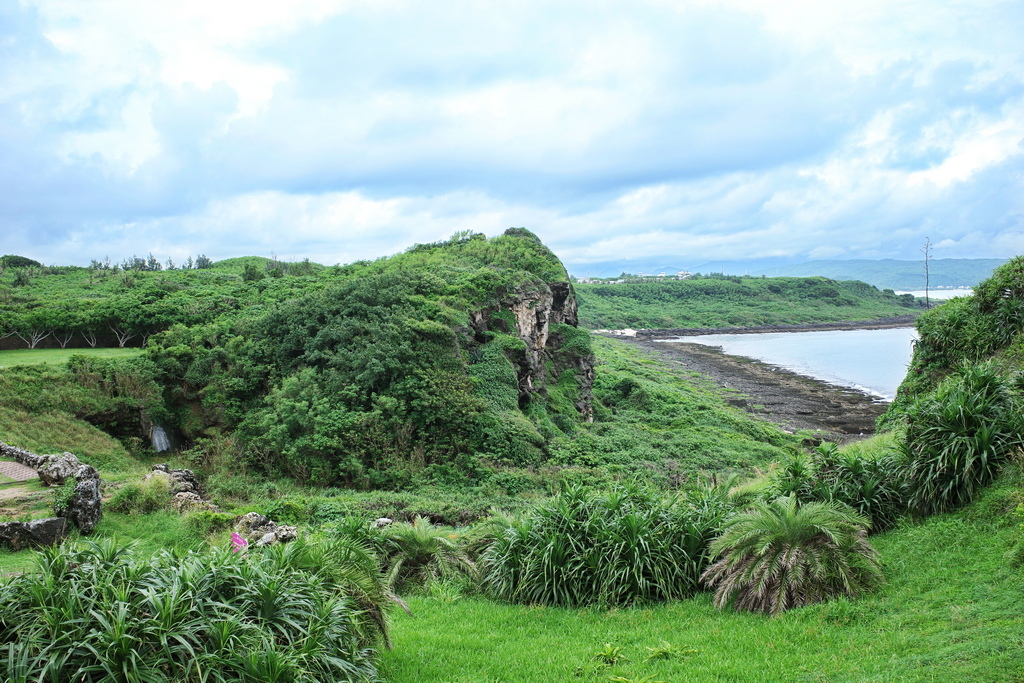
927	251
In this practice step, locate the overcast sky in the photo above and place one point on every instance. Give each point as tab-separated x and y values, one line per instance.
675	130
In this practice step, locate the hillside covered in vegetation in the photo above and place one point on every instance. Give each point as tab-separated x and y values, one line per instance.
536	476
443	365
731	301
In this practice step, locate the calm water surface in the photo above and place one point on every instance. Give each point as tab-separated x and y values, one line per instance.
873	361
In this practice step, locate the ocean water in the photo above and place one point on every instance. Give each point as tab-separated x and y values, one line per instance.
872	361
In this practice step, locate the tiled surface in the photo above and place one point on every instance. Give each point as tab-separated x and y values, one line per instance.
17	471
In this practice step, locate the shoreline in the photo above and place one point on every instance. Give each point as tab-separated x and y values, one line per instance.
877	324
792	401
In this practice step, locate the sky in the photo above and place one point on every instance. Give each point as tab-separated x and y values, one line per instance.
682	131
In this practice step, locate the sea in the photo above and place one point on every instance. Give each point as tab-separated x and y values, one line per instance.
871	361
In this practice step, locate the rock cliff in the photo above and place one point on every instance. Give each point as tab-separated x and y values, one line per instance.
540	315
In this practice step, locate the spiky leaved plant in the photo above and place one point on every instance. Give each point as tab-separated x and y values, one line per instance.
871	485
623	547
274	614
780	555
957	438
421	553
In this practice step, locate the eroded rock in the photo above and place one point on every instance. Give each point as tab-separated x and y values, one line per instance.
186	501
85	509
56	469
34	534
259	529
179	480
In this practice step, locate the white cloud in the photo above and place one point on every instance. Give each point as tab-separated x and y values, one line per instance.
342	129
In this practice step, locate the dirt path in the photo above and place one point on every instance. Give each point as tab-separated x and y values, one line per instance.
16	494
790	400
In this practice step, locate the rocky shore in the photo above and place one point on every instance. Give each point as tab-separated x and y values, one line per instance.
792	401
878	324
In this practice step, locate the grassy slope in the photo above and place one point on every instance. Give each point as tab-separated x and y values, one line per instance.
660	415
58	356
950	612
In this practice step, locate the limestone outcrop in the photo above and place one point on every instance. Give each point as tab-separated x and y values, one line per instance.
34	534
84	509
260	530
178	480
187	494
531	314
54	470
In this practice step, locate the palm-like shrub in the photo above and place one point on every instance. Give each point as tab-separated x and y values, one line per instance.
782	554
957	438
421	553
620	548
277	614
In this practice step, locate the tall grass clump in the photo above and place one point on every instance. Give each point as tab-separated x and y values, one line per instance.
288	613
958	436
783	554
866	480
623	547
143	498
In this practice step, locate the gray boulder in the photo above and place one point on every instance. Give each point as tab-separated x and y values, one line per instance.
34	534
85	508
179	481
55	469
186	501
260	530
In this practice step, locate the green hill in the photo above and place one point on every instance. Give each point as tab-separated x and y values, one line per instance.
731	301
897	275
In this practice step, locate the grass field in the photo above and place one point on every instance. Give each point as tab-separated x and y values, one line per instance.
950	612
57	356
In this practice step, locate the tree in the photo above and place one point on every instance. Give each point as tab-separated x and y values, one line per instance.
927	251
32	327
15	261
251	273
781	555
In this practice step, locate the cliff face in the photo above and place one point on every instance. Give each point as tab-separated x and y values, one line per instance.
543	317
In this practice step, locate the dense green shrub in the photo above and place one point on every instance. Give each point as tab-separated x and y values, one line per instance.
62	496
620	548
288	613
784	554
870	484
202	523
957	437
729	301
148	496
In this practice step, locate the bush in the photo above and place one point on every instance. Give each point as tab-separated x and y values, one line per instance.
63	494
957	438
621	548
287	613
782	554
869	483
151	495
205	522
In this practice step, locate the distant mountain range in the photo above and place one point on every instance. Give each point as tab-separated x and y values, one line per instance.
883	273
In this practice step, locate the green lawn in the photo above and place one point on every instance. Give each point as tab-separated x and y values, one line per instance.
950	612
57	356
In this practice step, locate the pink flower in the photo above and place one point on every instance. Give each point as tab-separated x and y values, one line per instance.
238	544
